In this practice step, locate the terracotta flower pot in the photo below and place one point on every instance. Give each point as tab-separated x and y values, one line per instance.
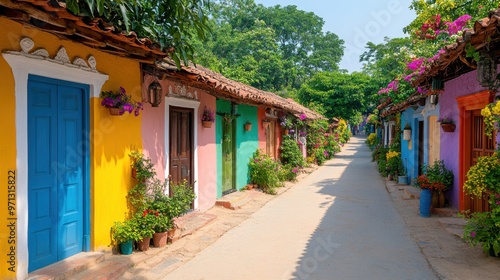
144	244
448	127
160	239
115	111
207	124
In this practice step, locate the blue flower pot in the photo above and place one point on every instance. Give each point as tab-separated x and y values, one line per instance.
425	203
126	248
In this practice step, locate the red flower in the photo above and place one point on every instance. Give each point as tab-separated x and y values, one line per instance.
144	213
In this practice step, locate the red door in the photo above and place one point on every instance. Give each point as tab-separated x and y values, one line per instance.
480	145
181	145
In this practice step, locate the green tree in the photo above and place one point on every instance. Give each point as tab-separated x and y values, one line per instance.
337	94
171	23
272	48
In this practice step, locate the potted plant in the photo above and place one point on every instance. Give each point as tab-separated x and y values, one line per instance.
407	132
425	195
162	225
447	124
119	102
440	179
142	167
145	223
124	234
248	126
207	118
178	204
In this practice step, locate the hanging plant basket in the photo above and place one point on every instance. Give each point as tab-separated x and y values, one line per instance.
207	124
248	126
265	124
115	111
448	127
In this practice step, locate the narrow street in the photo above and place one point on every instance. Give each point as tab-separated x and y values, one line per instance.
337	223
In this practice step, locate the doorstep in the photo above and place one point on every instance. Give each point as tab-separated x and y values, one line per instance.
235	200
68	268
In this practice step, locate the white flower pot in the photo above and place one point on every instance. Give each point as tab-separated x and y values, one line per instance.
407	134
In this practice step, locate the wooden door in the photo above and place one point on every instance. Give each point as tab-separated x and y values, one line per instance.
56	171
228	156
271	139
480	145
434	139
181	145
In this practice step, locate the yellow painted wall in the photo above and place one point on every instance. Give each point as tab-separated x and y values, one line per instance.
111	137
7	150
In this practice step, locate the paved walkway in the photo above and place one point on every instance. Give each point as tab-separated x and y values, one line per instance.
337	223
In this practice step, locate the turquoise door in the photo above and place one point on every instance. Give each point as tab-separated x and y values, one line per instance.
57	170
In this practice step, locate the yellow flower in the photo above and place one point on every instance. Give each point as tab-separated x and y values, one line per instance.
486	112
496	109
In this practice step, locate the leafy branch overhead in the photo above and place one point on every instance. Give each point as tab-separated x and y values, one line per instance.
171	23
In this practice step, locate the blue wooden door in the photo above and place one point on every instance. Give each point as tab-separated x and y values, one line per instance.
56	169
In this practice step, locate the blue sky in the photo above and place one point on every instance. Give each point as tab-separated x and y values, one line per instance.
356	22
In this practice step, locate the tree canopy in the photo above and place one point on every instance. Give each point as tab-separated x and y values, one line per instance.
172	23
272	48
336	94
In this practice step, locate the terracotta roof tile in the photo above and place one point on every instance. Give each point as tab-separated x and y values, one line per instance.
222	87
90	31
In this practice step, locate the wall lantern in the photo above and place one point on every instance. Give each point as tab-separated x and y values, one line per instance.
234	109
437	84
486	70
154	94
265	123
433	99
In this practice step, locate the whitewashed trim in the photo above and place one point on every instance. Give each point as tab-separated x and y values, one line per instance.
23	65
184	103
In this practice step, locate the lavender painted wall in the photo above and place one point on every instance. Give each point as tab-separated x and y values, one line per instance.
461	86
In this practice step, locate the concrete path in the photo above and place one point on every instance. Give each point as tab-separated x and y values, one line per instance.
337	223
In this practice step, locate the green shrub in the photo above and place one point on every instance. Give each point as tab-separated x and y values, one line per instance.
265	172
320	154
290	153
332	146
289	173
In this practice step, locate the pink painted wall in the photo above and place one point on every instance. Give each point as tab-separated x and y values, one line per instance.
153	139
153	129
207	156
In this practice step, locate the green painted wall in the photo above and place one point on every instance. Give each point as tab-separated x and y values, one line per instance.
246	142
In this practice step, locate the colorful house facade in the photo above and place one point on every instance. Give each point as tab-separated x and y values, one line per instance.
65	158
461	100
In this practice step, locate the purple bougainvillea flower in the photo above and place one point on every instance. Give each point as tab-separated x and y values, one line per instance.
302	117
128	108
473	234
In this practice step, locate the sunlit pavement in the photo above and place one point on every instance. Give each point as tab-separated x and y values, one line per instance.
337	223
